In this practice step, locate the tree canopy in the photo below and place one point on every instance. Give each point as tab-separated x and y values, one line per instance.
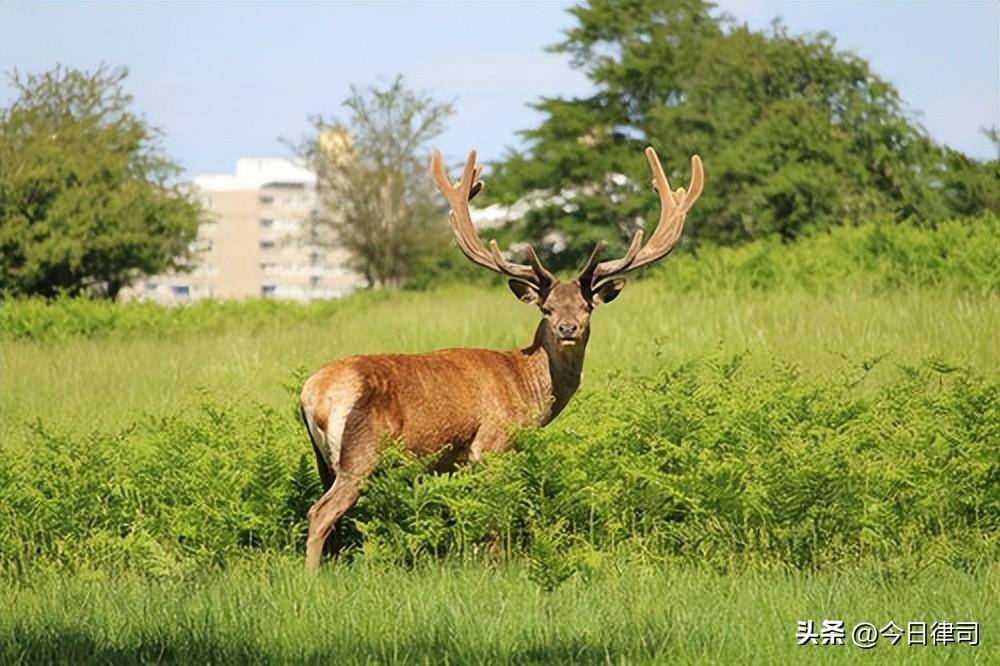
84	201
795	134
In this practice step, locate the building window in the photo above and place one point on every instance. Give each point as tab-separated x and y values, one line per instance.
264	199
267	245
182	292
266	223
268	290
313	281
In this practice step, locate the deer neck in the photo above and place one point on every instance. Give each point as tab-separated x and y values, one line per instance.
554	372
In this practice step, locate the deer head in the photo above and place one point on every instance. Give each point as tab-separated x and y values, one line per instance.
566	306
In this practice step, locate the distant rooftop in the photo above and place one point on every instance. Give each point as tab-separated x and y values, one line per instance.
252	173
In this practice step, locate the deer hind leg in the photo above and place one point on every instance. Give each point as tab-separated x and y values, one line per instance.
323	515
357	458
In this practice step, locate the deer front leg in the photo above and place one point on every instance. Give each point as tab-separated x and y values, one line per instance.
489	438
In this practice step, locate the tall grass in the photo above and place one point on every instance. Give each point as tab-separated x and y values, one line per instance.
112	382
272	613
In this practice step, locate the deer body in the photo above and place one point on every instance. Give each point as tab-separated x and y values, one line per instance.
458	404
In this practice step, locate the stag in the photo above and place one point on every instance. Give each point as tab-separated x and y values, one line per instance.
459	404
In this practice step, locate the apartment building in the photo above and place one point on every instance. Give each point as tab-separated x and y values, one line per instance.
256	240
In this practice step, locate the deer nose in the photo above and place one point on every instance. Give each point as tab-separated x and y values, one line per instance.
567	329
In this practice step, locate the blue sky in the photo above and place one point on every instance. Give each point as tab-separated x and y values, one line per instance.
226	80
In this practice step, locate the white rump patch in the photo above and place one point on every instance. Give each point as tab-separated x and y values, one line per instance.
342	396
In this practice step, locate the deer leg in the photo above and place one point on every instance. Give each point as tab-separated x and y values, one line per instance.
489	438
358	456
323	515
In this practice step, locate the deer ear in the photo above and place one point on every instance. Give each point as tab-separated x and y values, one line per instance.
608	291
527	293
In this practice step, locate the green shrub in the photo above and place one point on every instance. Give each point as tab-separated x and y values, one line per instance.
704	462
960	255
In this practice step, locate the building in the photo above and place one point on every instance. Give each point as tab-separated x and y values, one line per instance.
257	240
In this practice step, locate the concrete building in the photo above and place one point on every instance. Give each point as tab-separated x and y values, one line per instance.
257	240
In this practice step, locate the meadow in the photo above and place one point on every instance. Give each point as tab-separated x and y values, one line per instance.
764	434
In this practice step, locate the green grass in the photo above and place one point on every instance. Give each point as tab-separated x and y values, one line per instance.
763	435
110	381
272	612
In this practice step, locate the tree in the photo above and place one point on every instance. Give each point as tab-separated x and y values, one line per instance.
84	201
372	169
794	134
972	186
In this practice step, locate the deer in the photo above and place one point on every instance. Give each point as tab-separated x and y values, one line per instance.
460	404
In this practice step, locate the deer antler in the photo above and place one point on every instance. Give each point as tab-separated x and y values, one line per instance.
674	205
458	197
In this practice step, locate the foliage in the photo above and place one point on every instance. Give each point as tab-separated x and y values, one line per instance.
84	201
372	172
153	469
971	185
701	462
961	256
794	134
63	318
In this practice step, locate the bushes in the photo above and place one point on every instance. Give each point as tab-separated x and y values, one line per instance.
962	256
703	462
959	255
164	496
65	318
708	464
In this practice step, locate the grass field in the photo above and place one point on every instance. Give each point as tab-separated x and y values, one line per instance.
271	612
814	438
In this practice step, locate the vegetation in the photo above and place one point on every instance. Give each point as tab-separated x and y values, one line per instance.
85	207
960	256
795	135
372	168
767	432
764	434
704	463
271	612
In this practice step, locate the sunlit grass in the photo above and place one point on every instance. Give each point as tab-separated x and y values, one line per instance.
112	381
269	611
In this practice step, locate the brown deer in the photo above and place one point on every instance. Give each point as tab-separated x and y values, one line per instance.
462	403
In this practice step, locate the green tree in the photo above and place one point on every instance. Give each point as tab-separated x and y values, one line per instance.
970	185
373	179
84	201
794	134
